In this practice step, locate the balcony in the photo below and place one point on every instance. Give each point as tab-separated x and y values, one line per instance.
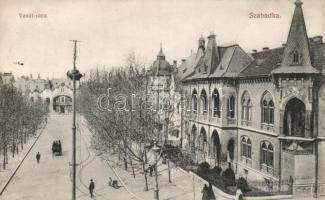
246	161
266	169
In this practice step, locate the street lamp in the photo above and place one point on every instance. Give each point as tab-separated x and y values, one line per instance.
74	75
156	150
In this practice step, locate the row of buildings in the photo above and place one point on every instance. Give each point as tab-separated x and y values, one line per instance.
56	92
263	112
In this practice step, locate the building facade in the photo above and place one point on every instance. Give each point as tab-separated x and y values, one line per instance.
57	93
262	112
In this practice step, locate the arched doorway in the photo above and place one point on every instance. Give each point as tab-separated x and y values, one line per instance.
294	118
62	104
202	144
216	147
193	138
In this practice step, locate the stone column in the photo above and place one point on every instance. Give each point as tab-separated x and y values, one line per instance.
281	122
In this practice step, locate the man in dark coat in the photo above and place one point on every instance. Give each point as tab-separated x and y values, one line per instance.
38	157
91	188
59	147
205	192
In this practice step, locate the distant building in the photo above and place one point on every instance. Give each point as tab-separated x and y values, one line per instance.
263	112
7	78
56	92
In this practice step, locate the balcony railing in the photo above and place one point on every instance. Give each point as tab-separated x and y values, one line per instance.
267	169
246	161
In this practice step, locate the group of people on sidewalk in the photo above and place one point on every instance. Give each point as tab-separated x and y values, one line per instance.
91	187
208	193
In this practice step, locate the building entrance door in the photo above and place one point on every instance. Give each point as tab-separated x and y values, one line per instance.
62	109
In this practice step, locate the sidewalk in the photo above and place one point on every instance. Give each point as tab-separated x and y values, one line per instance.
13	163
182	185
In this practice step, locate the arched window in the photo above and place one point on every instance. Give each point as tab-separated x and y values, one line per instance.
271	112
294	118
194	133
267	107
267	157
246	149
194	100
231	107
204	101
203	140
215	147
216	103
246	109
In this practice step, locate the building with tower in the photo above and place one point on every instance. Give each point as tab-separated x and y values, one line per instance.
262	112
165	97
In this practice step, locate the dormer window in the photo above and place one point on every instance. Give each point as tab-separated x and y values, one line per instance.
295	57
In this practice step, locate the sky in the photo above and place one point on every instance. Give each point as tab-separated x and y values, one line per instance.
109	30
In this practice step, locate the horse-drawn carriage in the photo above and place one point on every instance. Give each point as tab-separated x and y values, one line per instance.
57	148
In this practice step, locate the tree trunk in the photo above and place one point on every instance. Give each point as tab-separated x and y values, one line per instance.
4	157
132	168
145	155
13	149
169	179
22	143
145	176
125	163
6	154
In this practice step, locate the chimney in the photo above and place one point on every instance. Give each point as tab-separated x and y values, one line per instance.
175	63
254	51
318	39
183	60
265	48
283	44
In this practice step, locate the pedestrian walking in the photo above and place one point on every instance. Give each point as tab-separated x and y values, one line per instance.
110	181
91	188
38	157
59	147
205	195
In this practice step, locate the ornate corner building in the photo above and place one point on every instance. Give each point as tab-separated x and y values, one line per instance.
165	97
263	112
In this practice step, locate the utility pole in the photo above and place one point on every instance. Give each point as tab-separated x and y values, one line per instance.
74	75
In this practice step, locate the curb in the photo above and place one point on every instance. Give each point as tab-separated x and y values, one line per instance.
13	174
